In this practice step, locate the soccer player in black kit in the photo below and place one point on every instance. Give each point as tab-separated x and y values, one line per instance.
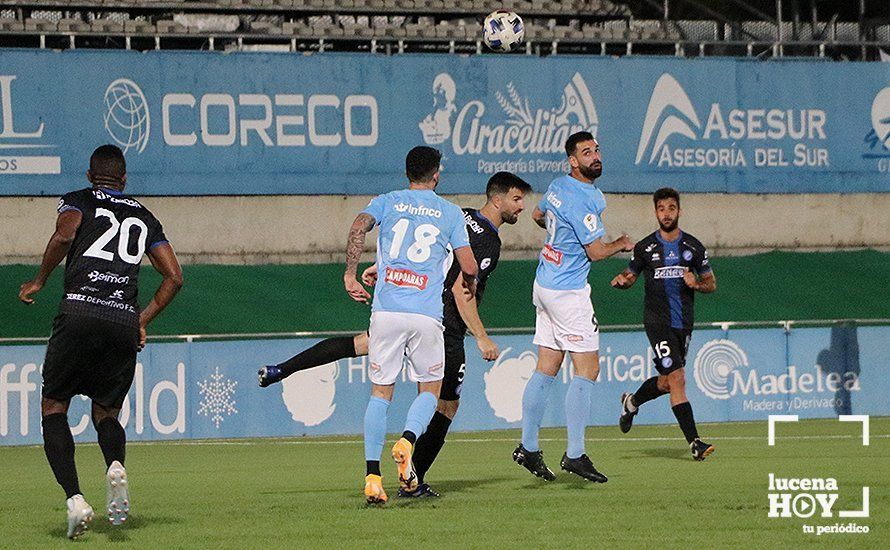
99	328
504	194
675	266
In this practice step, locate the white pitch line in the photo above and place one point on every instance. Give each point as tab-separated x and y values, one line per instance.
495	440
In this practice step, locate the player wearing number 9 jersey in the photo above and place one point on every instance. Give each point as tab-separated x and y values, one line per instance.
571	212
418	232
99	328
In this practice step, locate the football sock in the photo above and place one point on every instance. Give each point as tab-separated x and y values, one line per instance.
419	415
58	444
647	391
372	467
112	440
534	402
429	444
375	430
683	412
577	414
322	353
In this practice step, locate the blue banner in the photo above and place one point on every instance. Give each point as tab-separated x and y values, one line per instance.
209	390
198	123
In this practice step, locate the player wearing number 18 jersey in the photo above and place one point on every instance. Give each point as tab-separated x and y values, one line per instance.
418	232
99	329
675	266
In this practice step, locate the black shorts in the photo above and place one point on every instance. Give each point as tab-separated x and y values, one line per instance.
670	346
455	363
92	357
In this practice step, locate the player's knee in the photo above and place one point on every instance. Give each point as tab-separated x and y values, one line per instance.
360	342
53	406
677	379
101	412
448	408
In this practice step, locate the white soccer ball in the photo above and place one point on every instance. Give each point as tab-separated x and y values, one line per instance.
503	31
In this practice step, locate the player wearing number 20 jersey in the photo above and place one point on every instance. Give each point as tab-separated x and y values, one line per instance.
99	329
102	267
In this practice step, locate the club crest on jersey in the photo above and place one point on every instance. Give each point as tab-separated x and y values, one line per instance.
406	278
552	255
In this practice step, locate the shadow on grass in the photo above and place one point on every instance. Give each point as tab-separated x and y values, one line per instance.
672	453
116	533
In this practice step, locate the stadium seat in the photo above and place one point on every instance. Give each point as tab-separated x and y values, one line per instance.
139	27
106	26
40	25
170	27
73	25
296	28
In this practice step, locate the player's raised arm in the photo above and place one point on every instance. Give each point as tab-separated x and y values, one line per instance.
355	245
468	268
164	260
600	250
56	249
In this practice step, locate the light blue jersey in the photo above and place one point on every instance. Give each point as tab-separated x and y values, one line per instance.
573	212
418	231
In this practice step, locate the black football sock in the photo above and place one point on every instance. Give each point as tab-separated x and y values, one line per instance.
429	444
410	436
322	353
683	412
58	444
372	467
647	391
112	440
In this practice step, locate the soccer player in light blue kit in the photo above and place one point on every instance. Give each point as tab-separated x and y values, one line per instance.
418	231
571	212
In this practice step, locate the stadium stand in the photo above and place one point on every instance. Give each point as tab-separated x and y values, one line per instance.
603	27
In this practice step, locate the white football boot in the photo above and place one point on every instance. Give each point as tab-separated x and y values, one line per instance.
118	494
80	514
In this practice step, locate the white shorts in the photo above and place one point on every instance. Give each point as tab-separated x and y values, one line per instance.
409	339
565	319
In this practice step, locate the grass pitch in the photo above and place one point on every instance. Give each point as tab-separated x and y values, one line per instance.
306	493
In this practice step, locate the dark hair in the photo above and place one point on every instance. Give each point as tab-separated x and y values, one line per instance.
575	139
666	193
502	182
108	161
421	163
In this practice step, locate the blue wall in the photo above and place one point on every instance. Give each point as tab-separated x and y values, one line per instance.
209	390
209	124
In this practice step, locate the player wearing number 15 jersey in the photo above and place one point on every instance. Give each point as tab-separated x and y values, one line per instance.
418	232
99	328
675	266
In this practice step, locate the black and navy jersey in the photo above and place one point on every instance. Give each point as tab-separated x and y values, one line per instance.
102	267
486	245
668	301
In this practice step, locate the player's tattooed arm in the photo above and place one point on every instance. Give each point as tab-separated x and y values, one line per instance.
624	280
355	245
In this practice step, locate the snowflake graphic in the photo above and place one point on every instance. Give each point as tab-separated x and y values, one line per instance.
218	397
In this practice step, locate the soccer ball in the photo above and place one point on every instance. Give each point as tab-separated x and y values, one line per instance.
503	31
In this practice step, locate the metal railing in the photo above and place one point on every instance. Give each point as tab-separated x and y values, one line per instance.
787	325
